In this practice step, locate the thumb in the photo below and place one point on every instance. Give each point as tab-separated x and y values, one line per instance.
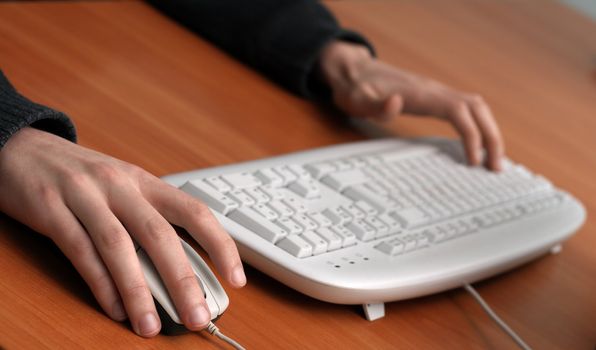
392	107
361	101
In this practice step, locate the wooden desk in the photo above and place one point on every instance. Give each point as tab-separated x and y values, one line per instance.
145	90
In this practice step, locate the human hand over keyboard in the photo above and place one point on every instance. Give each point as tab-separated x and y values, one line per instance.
365	87
92	206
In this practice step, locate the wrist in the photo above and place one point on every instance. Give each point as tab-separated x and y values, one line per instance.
341	62
19	137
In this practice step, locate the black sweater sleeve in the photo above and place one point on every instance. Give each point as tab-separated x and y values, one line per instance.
17	112
280	38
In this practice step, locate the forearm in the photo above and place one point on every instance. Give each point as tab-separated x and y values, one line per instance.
281	38
17	112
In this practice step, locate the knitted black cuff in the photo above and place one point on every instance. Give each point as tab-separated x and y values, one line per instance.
17	112
291	42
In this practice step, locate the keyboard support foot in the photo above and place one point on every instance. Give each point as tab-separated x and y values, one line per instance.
374	311
556	249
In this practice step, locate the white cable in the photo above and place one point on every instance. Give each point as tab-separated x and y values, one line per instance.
496	318
212	328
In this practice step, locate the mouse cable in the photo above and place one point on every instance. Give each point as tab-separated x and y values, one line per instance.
212	328
495	317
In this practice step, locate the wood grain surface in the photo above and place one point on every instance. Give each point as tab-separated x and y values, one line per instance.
143	89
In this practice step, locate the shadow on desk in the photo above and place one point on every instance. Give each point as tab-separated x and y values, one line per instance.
43	255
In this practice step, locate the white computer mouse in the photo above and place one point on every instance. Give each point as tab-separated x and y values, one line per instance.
215	295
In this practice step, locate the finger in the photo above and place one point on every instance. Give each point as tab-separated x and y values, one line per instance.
365	101
392	107
73	241
116	249
491	134
186	211
163	245
464	123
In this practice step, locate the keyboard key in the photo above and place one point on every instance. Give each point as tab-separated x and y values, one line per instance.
269	177
406	152
258	195
281	209
430	233
333	239
299	171
438	234
295	204
272	192
392	247
338	215
483	220
422	240
289	225
305	222
242	197
356	162
522	171
410	217
348	237
362	230
410	242
265	211
340	180
318	243
366	208
372	160
472	226
241	180
448	230
296	246
381	228
342	165
378	188
320	219
306	188
318	170
361	192
285	173
256	223
355	211
394	226
218	184
212	197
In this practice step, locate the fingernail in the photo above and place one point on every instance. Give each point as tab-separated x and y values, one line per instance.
199	316
118	312
148	325
238	276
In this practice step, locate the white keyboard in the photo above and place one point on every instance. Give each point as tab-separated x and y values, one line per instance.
383	220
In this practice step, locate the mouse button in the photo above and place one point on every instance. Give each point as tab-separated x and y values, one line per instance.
209	297
220	301
201	268
214	308
155	284
198	276
214	294
207	277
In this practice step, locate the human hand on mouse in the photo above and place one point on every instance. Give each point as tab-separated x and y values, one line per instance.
92	206
363	86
